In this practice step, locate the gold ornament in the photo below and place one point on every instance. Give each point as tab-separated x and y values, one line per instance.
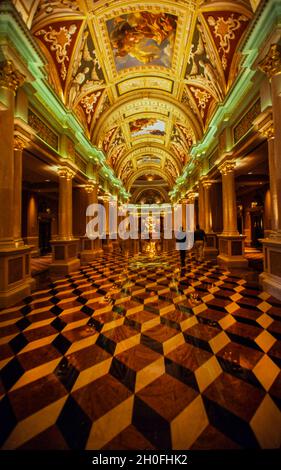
19	144
227	167
10	77
269	132
271	64
65	172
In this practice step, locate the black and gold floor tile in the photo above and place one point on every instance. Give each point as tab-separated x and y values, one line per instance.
135	353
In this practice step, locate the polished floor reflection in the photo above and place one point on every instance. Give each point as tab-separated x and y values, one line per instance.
133	353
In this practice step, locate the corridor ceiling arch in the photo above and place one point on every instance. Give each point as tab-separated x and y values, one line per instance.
137	73
149	158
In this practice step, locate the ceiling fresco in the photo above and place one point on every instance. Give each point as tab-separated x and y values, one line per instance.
143	78
142	38
147	126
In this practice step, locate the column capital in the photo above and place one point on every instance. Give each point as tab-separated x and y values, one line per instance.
227	167
201	180
271	64
65	172
19	143
265	125
106	198
90	186
191	196
207	184
267	130
10	77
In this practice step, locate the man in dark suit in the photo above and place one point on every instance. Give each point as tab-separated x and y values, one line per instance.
199	243
181	245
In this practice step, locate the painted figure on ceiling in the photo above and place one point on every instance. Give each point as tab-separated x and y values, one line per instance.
141	35
140	124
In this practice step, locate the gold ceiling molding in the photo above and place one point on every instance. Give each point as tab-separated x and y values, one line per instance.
95	5
49	10
241	6
152	82
27	9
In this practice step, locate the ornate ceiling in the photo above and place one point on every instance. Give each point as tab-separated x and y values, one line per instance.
143	78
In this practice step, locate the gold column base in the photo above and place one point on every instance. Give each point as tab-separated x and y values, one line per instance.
231	251
16	282
210	249
65	256
270	279
107	244
91	249
34	243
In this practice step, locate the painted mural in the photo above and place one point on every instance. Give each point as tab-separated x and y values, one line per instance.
86	74
142	38
147	126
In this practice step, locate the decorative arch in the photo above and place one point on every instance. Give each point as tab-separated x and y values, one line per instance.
163	153
138	193
153	170
133	103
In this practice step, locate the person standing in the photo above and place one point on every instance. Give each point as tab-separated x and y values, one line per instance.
199	243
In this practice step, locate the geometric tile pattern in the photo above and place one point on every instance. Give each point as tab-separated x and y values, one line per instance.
134	353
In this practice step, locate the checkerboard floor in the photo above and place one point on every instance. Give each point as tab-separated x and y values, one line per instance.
130	352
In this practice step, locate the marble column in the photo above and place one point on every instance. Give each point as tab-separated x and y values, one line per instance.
207	201
65	203
65	247
231	244
91	248
271	277
19	145
229	199
184	203
80	204
210	250
115	204
122	219
267	214
15	278
267	130
201	204
32	237
191	199
107	241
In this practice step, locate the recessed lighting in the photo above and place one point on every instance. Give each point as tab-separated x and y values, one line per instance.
250	173
47	181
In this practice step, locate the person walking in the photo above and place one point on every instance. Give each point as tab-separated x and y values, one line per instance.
181	245
199	243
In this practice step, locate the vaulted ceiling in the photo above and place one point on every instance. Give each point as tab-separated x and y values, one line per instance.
143	78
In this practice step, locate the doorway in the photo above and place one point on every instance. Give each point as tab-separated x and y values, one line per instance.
257	228
45	231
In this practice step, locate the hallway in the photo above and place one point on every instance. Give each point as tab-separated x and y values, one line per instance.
132	353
